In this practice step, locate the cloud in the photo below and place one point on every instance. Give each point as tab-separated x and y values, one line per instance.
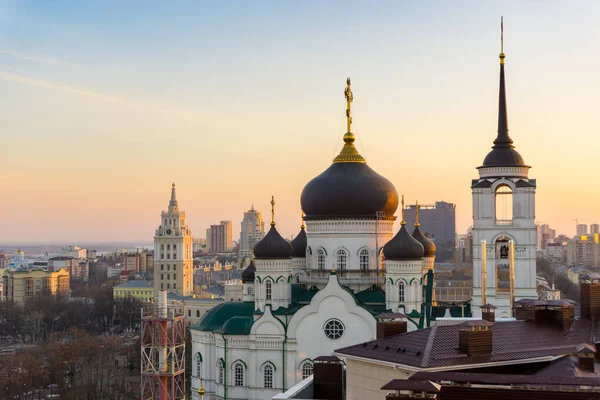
82	92
38	58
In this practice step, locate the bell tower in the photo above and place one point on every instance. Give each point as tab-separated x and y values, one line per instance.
173	256
504	231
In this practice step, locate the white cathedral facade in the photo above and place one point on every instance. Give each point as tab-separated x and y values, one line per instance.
321	291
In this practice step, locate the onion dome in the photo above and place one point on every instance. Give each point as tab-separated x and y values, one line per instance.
428	245
272	246
403	246
248	274
349	188
503	152
299	244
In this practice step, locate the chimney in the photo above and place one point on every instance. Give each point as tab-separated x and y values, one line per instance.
586	354
488	312
329	378
590	295
475	338
559	313
390	324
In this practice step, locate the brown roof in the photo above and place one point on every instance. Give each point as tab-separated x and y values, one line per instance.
503	379
413	384
391	315
511	340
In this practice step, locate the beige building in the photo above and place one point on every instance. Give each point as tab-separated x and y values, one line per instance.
252	230
584	250
173	256
221	237
22	285
140	261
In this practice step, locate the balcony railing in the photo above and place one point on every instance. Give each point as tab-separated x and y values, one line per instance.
346	277
453	293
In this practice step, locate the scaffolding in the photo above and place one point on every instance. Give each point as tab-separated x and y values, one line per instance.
163	352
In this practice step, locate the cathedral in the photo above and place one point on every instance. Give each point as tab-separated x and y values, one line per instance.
326	289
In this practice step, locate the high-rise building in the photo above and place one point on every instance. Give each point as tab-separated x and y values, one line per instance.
438	222
581	229
594	228
503	223
138	261
584	251
253	229
173	257
221	239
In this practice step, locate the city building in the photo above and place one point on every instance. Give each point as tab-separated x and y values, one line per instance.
74	251
584	251
581	229
556	251
25	284
253	229
137	289
220	237
504	228
138	261
321	291
594	229
4	260
173	256
438	223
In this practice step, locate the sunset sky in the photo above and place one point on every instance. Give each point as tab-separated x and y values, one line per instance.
103	105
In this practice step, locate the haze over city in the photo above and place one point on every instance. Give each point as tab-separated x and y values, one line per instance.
104	105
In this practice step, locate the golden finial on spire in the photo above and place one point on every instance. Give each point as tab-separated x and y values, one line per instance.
502	55
272	210
302	219
403	222
173	184
349	152
349	98
417	214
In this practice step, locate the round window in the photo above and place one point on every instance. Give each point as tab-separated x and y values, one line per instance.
334	329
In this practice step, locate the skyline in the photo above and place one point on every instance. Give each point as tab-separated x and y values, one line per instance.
103	111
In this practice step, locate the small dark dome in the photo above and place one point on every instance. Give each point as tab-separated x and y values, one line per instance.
248	274
403	247
272	246
349	189
503	157
299	244
428	245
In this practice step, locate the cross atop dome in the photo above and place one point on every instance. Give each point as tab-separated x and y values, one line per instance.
349	154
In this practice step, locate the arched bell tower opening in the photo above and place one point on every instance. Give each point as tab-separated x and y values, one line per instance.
503	202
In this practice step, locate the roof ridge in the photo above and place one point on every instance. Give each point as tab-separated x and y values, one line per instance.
429	346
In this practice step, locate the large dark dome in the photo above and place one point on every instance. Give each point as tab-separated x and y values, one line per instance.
349	189
272	246
249	273
503	157
428	245
299	244
403	247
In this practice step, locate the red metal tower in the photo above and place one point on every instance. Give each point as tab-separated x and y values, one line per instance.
163	353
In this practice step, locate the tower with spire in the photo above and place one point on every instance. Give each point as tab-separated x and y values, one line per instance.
504	231
173	255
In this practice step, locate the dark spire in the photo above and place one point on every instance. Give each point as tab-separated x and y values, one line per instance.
503	140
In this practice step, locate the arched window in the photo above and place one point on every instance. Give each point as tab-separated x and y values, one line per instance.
307	369
364	260
308	257
401	291
268	376
198	365
197	313
321	259
504	204
168	247
189	313
342	259
238	374
220	372
249	291
268	289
